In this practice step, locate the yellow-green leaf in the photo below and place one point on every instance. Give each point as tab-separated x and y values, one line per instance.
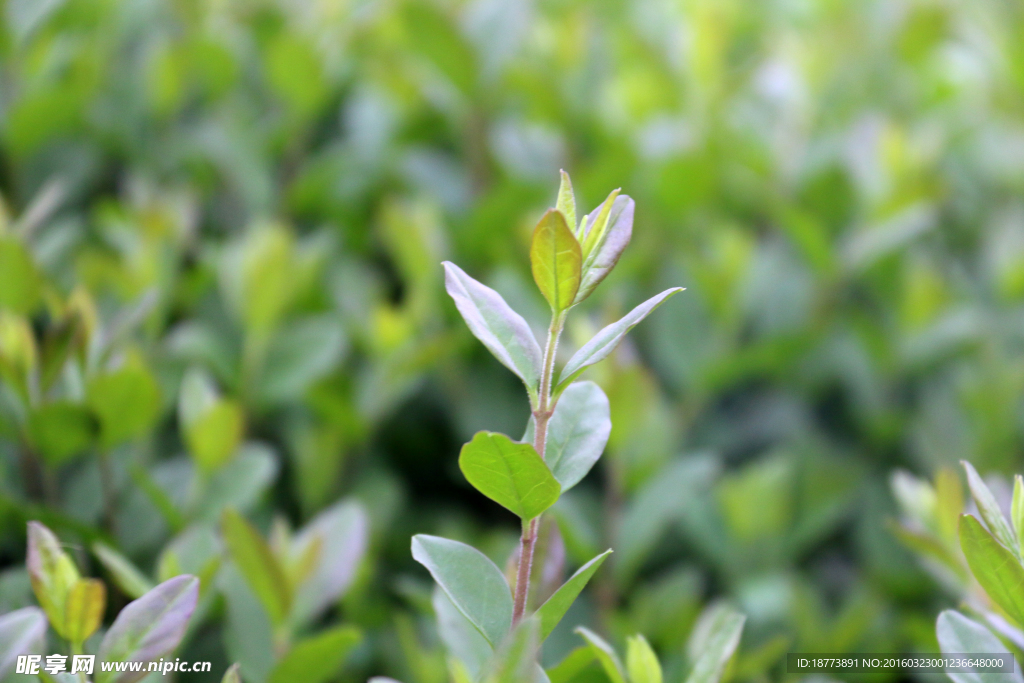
51	572
509	473
258	565
567	202
641	662
83	609
996	568
556	259
214	437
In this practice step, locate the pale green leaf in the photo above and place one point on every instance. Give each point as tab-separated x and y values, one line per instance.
316	659
989	509
604	253
577	433
567	201
22	632
555	607
959	635
997	569
713	641
258	565
126	575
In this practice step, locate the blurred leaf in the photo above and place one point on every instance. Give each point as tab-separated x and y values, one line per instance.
573	665
641	662
556	260
126	401
295	73
126	575
22	632
61	430
605	654
713	642
316	659
214	437
997	569
232	675
149	628
52	572
470	580
1017	510
516	660
509	473
552	611
302	353
605	341
241	482
577	433
502	330
20	281
959	635
258	564
83	612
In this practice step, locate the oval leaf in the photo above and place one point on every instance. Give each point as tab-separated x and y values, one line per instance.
509	473
577	433
552	611
149	628
556	260
997	569
471	581
316	659
51	572
641	662
258	565
959	635
83	611
605	341
22	632
496	325
605	252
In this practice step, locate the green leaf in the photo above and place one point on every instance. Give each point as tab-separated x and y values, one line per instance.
316	659
214	438
258	565
22	632
572	665
51	572
605	655
126	575
509	473
83	610
595	225
20	281
516	660
605	341
1017	511
713	641
959	635
503	331
460	637
567	201
997	569
556	260
232	675
641	662
61	430
149	628
126	401
600	257
555	607
471	581
989	509
577	433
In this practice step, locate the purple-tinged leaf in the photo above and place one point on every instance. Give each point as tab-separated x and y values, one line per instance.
22	632
608	244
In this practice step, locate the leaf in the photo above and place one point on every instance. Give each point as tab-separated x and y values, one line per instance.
567	201
149	628
605	341
299	354
51	572
556	260
577	433
509	473
461	638
342	532
126	401
713	641
22	632
1017	511
605	655
316	659
496	325
83	610
959	635
989	509
471	581
641	662
126	575
61	430
215	436
516	660
997	569
232	675
572	665
20	281
241	482
258	565
555	607
601	250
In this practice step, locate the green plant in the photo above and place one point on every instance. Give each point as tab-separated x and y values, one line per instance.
565	436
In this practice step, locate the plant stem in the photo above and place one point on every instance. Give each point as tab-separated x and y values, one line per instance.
541	416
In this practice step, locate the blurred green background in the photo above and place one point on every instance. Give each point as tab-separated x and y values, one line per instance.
243	204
